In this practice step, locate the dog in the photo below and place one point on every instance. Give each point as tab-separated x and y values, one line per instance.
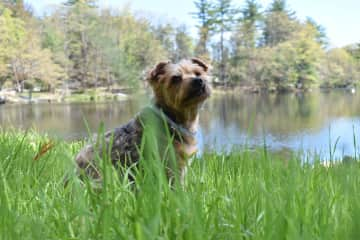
179	91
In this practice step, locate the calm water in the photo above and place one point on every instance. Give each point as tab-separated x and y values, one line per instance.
306	122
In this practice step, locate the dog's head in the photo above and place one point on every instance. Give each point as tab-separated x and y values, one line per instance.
182	85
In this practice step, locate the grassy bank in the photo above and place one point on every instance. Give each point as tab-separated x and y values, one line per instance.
243	195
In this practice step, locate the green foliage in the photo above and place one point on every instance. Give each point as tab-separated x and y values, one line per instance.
79	45
21	55
279	6
320	37
106	48
89	3
224	17
296	61
248	27
183	44
340	69
204	15
19	8
356	52
244	194
244	40
139	47
176	41
278	27
12	34
290	54
80	20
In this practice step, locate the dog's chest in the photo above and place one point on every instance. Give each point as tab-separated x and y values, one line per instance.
185	149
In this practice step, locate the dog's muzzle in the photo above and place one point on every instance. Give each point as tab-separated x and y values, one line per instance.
197	83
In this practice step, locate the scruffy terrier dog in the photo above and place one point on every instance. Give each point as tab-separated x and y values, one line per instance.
179	91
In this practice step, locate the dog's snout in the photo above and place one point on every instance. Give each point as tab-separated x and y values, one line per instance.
197	82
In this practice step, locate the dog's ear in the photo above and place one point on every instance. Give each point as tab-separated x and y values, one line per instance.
201	63
159	69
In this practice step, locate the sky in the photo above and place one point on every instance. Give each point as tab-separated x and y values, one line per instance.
341	18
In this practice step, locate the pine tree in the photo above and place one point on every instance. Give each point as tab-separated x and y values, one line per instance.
224	17
80	18
279	23
89	3
166	35
243	43
204	15
18	8
183	44
321	36
251	16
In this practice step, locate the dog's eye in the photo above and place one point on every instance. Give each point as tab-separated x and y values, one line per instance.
197	73
176	79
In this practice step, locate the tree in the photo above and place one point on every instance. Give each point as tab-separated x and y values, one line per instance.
166	35
89	3
79	18
224	15
309	55
243	44
251	16
183	44
338	69
103	48
18	8
279	6
12	33
279	24
139	48
204	15
53	37
32	65
296	62
21	53
320	35
354	51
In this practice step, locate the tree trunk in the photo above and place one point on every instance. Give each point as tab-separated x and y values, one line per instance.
16	76
84	60
96	68
108	79
222	57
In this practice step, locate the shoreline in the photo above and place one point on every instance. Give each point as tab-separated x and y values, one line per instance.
102	95
285	90
89	95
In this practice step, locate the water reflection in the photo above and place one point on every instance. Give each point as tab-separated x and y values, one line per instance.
292	121
306	122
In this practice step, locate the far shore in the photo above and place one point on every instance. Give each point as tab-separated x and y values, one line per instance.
58	96
104	94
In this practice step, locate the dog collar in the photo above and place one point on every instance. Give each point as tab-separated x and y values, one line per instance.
173	125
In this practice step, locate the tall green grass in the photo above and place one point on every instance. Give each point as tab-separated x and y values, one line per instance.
247	194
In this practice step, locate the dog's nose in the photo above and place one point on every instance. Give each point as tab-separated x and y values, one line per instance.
197	82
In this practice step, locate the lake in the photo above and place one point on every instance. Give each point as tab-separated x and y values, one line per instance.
308	122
